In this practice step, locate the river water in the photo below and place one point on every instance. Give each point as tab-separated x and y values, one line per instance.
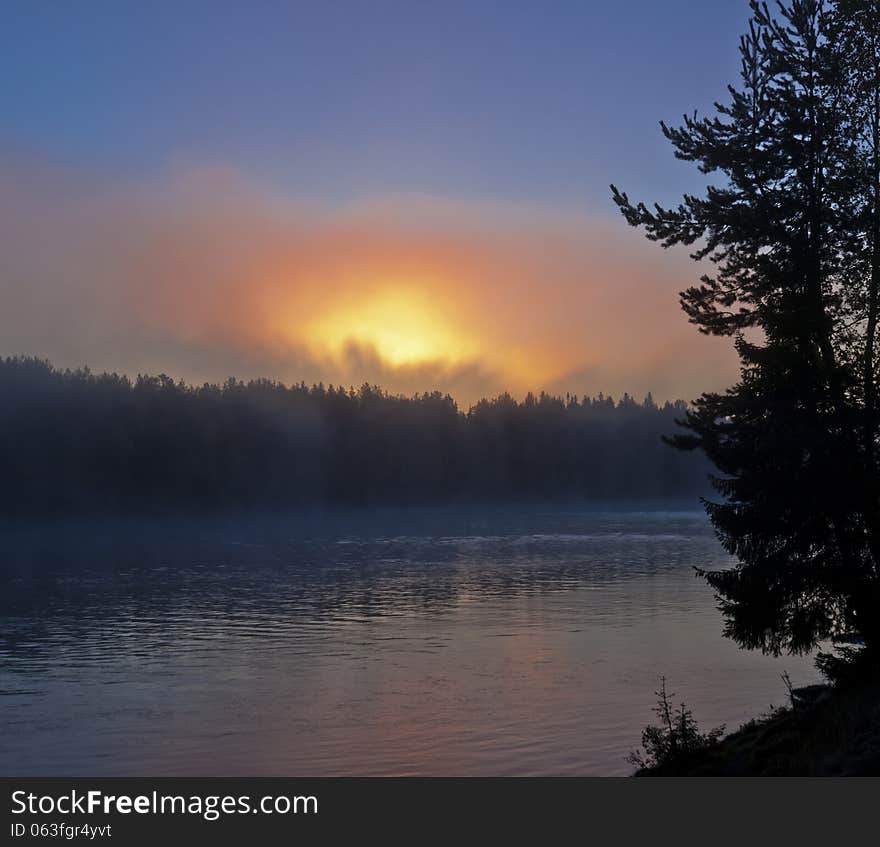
486	641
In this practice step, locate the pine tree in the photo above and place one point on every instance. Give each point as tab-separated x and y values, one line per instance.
793	235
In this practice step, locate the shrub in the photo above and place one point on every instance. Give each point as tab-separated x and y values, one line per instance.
676	738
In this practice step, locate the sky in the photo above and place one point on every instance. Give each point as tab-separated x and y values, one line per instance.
411	194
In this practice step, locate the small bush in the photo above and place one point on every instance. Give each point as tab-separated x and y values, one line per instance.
676	738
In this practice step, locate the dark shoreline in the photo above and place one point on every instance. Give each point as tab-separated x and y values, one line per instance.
830	730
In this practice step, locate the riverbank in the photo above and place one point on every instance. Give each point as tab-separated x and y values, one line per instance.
827	731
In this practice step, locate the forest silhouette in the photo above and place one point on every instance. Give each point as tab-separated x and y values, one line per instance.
72	441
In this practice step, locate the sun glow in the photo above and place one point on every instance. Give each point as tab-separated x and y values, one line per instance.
404	328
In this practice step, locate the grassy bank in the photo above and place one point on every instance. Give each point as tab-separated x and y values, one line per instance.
826	731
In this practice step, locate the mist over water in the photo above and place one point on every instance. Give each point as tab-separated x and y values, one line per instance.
508	641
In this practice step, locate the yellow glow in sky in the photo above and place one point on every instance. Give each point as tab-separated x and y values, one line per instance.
403	327
203	275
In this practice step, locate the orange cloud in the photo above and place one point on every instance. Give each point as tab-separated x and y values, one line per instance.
204	274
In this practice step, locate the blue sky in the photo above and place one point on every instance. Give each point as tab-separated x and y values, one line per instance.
536	101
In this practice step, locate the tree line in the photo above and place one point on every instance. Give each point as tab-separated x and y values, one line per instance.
73	441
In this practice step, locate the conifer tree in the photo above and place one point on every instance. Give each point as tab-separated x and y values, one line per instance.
792	233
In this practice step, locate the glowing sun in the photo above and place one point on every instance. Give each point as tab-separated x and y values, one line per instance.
402	327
